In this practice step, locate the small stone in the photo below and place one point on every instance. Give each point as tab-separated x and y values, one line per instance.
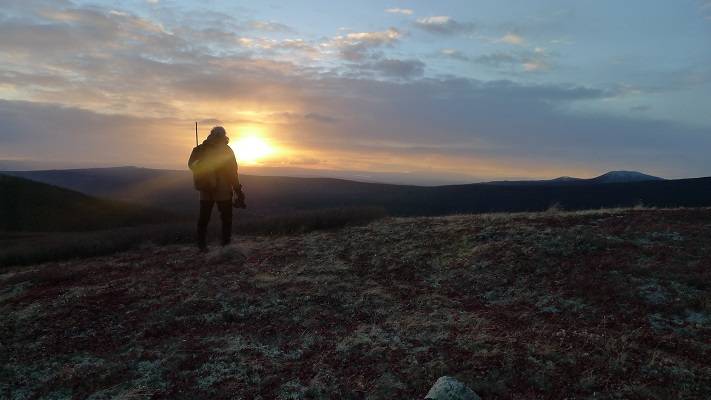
448	388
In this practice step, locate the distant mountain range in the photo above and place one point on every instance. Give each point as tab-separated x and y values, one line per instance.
26	205
610	177
172	191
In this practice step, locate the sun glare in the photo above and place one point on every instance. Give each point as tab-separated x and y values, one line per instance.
251	149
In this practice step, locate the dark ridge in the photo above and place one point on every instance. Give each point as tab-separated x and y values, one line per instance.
172	190
26	205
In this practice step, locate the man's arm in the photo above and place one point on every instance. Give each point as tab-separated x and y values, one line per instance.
239	201
234	167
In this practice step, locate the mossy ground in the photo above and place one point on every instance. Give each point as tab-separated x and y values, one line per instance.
611	304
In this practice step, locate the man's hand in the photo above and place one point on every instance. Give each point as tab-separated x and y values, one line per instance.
239	199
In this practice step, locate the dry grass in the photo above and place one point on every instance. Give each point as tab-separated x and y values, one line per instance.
608	304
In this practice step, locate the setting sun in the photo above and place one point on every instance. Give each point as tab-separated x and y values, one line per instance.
250	149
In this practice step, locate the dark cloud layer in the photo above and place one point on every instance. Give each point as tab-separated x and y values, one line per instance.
38	131
394	68
500	122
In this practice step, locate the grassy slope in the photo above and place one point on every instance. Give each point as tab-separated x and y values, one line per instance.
550	305
26	205
23	248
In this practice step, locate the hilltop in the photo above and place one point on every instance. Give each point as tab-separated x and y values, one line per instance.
27	205
625	176
608	304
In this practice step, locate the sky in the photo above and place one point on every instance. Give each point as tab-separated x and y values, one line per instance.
401	91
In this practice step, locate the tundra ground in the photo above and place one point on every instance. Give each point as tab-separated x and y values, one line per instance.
608	304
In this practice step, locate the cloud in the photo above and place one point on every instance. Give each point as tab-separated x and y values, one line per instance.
355	46
267	46
641	108
123	89
511	38
403	11
52	132
268	26
210	121
299	44
535	66
119	55
443	25
290	117
455	54
505	122
562	41
320	118
376	38
395	68
536	60
87	30
498	59
498	127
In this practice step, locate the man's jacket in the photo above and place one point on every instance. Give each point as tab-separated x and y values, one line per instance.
214	169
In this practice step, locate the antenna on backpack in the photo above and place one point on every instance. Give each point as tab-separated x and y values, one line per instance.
196	134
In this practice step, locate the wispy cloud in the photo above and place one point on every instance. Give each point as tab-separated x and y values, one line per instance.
563	41
498	59
534	66
511	38
536	60
355	46
403	11
443	25
455	54
641	108
395	68
269	26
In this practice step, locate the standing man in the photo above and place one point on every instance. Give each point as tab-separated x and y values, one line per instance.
214	169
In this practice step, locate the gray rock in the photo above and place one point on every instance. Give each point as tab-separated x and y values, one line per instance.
448	388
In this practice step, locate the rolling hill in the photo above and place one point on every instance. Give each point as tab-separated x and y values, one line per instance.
172	190
26	205
625	176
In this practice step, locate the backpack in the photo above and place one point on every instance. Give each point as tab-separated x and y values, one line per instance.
204	177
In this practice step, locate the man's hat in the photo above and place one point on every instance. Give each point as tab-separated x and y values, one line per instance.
218	131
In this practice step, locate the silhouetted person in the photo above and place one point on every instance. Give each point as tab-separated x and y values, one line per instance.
214	169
